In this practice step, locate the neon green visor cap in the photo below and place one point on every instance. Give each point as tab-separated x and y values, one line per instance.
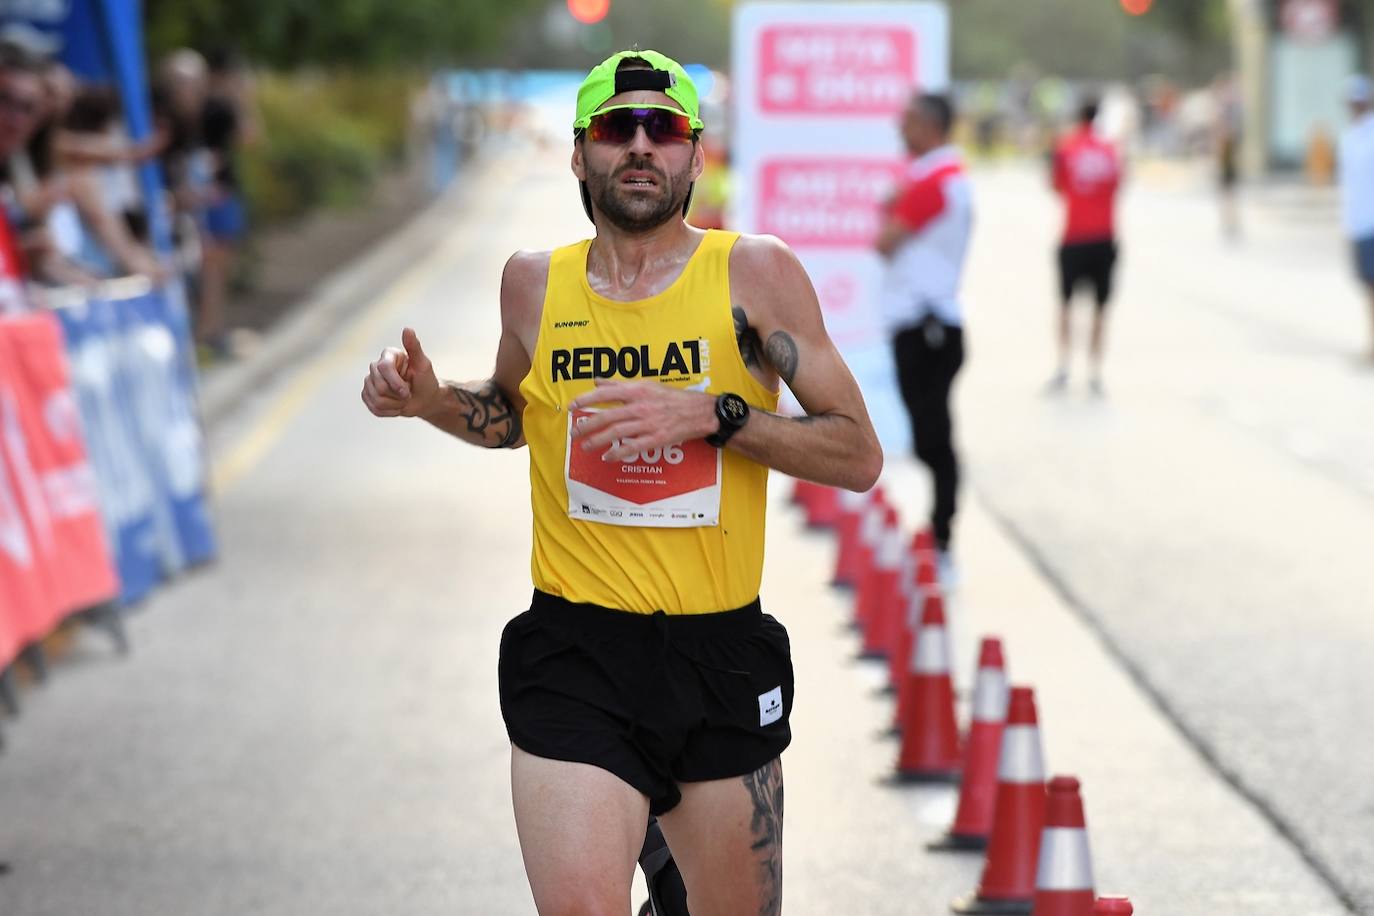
667	76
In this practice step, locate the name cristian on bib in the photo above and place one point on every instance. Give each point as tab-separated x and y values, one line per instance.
680	358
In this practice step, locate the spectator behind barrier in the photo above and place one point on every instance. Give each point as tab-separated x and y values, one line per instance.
24	107
89	228
112	151
226	123
178	99
206	113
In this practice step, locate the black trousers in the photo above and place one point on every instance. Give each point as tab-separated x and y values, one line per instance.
928	358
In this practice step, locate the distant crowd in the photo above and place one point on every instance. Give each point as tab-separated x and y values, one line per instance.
74	210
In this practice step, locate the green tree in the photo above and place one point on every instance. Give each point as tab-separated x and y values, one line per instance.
1089	39
345	33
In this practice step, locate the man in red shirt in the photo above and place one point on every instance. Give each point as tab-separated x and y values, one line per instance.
1087	173
924	239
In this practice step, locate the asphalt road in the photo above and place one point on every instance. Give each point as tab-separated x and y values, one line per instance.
1214	513
310	725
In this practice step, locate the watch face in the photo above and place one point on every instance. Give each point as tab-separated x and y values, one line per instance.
734	407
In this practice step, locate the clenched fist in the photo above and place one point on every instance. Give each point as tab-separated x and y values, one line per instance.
401	382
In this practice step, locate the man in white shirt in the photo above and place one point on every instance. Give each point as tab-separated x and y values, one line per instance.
924	238
1357	186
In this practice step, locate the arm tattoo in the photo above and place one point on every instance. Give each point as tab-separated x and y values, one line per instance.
747	338
486	409
782	353
765	790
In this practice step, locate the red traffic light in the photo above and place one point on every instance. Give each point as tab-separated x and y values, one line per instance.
1137	7
589	11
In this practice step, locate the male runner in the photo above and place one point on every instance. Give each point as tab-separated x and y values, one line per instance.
925	239
1087	174
641	367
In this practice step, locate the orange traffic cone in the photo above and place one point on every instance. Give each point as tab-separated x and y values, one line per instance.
871	531
925	540
978	789
853	511
1064	876
1113	906
913	600
930	737
802	492
823	511
1008	883
878	595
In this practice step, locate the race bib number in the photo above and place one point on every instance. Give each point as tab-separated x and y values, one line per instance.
677	486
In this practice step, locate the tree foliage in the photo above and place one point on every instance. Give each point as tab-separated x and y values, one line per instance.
346	33
1093	39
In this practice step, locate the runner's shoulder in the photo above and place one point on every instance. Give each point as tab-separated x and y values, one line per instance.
524	281
764	274
527	268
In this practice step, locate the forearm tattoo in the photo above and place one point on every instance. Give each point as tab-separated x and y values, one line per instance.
782	353
747	338
765	789
487	412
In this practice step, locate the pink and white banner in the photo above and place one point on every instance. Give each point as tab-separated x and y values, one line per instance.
54	558
818	91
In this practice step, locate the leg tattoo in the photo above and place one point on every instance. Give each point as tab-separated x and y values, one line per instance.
765	788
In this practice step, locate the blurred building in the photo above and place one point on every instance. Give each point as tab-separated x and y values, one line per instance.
1294	57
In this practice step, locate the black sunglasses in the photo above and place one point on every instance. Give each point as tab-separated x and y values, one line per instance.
619	125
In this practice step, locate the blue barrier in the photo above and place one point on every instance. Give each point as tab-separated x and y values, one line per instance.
159	382
135	386
126	486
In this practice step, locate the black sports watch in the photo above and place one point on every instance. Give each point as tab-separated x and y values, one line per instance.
733	412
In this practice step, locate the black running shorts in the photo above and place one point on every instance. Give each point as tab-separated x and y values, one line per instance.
1087	262
654	699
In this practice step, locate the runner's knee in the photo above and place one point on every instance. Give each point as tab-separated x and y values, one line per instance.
584	898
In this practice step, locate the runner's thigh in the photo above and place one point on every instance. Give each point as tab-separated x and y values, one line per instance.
726	837
581	830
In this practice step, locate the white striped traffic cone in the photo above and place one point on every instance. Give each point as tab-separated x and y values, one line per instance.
878	596
978	789
930	734
872	524
1008	882
1064	877
918	581
853	510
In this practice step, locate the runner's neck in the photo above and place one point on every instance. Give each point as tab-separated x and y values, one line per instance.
629	267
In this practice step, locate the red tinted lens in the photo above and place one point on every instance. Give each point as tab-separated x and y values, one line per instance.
665	125
619	125
616	126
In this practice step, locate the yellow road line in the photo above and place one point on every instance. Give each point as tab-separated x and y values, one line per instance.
248	451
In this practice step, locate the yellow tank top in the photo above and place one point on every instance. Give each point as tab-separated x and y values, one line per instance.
678	529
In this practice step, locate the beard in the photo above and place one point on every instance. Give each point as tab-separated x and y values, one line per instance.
639	211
